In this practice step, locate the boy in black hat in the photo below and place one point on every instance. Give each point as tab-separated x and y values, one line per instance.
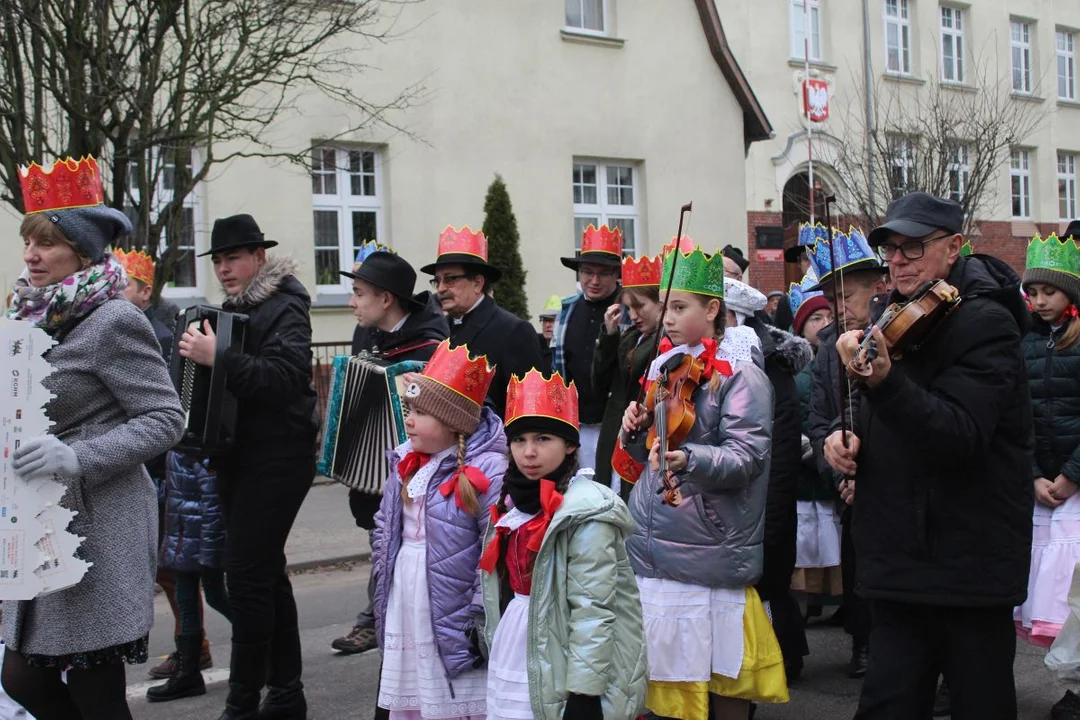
266	475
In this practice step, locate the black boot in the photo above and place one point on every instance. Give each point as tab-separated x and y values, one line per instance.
247	675
942	701
860	658
188	681
285	693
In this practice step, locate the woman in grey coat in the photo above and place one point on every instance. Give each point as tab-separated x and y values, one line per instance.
114	409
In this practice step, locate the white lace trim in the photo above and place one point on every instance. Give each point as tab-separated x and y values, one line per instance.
514	519
419	482
738	344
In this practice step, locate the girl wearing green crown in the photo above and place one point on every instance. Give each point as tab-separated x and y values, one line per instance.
1052	354
711	649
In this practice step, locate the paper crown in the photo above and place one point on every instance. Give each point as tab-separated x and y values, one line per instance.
810	234
1054	253
602	240
537	396
800	292
641	272
851	250
966	249
456	369
366	250
463	242
686	244
67	184
137	264
694	272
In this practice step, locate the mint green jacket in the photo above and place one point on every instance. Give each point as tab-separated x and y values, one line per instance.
585	628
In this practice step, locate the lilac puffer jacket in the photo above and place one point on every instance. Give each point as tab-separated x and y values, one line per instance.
454	544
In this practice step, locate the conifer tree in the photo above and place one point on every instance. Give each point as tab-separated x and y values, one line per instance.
501	231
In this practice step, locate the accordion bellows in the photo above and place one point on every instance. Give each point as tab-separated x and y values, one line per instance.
365	419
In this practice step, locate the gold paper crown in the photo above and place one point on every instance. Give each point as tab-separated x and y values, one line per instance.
67	184
138	265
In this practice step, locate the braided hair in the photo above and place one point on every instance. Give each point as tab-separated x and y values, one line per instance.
465	490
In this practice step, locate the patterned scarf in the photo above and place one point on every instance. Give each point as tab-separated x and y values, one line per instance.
60	305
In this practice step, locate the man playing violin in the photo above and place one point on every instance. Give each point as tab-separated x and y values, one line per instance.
941	450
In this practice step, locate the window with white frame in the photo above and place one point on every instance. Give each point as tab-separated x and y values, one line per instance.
1020	180
959	172
1066	177
586	15
1020	38
799	47
1066	64
346	203
952	44
902	150
898	36
607	194
164	162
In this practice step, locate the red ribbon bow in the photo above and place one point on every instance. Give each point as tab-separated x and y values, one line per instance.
550	500
411	463
476	478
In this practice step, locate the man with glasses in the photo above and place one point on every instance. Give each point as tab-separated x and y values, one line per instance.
578	327
463	282
943	520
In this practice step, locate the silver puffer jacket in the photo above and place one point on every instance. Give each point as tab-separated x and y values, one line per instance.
714	537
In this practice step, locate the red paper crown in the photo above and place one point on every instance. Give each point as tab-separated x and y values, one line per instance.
67	184
686	246
456	369
602	240
463	242
138	265
641	272
537	396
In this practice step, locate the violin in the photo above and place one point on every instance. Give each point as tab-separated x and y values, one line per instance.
670	400
906	325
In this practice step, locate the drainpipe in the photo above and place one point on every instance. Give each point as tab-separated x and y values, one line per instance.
868	102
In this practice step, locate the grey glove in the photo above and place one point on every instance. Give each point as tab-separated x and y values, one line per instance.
43	457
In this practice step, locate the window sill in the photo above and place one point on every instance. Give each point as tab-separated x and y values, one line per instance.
585	37
903	78
1065	102
959	87
819	64
330	300
1027	97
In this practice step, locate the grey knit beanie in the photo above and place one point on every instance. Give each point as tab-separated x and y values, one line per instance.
1067	283
449	407
91	229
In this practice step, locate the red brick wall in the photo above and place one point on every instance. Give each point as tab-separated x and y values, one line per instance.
763	274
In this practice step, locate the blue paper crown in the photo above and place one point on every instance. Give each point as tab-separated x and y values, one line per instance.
810	234
800	292
369	248
851	249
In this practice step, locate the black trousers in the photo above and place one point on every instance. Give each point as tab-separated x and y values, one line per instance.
857	618
261	500
910	645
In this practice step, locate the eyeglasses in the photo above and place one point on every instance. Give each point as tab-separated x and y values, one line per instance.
911	250
597	273
446	280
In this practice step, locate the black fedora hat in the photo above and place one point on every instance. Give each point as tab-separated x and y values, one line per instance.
1073	230
388	272
236	231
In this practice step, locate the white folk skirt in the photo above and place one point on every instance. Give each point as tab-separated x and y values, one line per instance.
508	679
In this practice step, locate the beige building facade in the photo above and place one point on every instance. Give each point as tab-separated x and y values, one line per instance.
616	111
1031	48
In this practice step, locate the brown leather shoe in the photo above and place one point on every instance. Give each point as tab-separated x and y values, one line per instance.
171	664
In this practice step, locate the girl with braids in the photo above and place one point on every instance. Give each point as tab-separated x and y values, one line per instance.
563	615
427	542
711	648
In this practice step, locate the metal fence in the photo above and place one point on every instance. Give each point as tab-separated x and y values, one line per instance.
322	365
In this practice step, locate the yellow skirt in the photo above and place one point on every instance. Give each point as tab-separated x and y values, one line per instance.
761	678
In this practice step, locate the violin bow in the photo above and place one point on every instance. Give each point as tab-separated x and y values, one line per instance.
838	299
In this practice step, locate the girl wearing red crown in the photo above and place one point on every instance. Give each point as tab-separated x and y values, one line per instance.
427	542
698	552
563	615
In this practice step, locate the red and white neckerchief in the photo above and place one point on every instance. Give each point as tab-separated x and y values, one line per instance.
550	500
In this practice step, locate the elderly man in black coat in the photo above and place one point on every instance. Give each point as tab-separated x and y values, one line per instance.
941	454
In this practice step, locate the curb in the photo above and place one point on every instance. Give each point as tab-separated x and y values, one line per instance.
325	562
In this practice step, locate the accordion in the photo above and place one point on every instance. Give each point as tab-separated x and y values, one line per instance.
365	419
209	408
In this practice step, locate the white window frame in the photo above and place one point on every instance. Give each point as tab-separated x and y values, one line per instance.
798	27
1020	55
1065	45
959	169
581	29
952	32
344	203
602	212
1068	200
162	193
903	159
898	13
1020	183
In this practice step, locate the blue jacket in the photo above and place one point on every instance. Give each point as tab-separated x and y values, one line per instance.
558	337
194	521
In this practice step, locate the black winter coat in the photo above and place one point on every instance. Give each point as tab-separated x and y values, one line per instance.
509	342
812	486
824	411
271	377
1054	381
943	505
785	356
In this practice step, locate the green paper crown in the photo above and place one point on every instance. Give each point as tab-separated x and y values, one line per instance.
695	272
1054	253
966	249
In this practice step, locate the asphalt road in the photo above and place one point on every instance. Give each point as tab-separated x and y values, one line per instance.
343	687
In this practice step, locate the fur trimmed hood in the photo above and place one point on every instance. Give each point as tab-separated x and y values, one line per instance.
276	276
792	351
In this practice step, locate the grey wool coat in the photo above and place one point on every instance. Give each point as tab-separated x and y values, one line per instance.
115	406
